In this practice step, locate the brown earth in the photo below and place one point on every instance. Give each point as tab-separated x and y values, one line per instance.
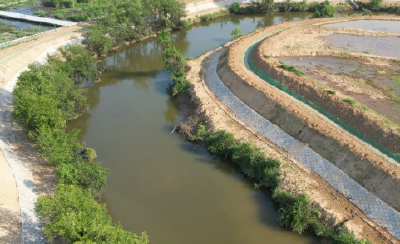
364	165
306	41
335	208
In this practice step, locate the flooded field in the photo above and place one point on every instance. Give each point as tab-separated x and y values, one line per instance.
382	46
368	83
373	25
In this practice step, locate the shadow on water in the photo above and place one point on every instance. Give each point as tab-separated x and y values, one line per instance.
160	183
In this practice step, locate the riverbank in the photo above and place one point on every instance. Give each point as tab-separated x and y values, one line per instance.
295	178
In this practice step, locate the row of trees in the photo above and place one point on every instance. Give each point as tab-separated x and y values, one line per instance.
296	212
324	9
45	98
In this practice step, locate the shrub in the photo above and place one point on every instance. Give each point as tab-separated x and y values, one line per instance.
57	146
324	10
89	153
235	8
174	64
201	132
374	5
221	142
88	176
347	238
298	215
236	33
76	62
349	101
97	41
75	215
267	6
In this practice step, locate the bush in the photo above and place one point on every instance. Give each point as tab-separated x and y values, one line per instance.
374	5
88	176
236	33
324	10
299	214
89	154
57	146
221	142
76	62
201	132
75	215
235	8
174	64
97	42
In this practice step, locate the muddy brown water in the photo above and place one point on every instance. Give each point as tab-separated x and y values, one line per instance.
382	46
373	25
159	183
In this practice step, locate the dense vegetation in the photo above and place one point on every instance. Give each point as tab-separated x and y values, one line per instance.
133	20
174	64
324	9
45	98
296	211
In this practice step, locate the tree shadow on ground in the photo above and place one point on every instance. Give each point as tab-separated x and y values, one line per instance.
10	226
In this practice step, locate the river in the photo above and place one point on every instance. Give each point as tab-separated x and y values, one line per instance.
175	190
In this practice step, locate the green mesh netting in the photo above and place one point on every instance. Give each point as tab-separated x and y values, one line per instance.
353	131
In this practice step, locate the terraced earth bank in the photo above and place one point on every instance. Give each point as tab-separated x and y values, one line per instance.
377	174
375	170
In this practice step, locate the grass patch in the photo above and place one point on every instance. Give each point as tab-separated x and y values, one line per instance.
332	92
291	69
349	101
267	56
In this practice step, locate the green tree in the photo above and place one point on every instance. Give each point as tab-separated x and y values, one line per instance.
236	33
267	6
324	10
76	62
374	5
75	215
221	142
97	40
235	8
164	13
89	176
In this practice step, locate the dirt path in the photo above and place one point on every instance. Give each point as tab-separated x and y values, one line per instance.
12	60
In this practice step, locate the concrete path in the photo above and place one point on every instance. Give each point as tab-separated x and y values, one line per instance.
36	19
373	207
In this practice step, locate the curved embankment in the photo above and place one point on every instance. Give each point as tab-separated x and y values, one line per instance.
33	176
356	118
359	161
363	164
295	177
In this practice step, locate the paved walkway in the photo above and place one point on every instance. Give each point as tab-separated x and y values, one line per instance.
31	18
373	207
